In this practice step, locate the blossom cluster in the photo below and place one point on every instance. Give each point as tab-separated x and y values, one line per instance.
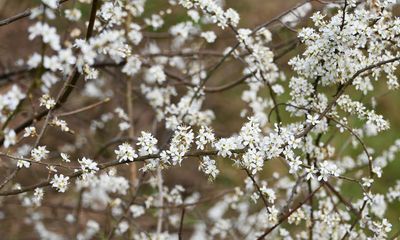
147	122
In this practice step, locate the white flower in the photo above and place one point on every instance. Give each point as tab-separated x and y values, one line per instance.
65	157
272	215
60	182
121	114
124	126
134	34
22	163
147	143
278	89
38	196
295	165
269	192
51	3
204	136
123	226
209	36
186	3
155	74
266	34
125	153
313	120
244	36
10	100
250	132
60	123
39	153
367	182
311	172
70	218
47	101
225	146
73	14
180	144
136	210
10	138
194	15
30	132
112	13
49	34
232	16
327	169
132	66
34	60
90	73
253	160
88	165
208	166
52	168
155	21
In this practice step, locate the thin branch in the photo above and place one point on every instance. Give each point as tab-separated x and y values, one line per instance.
258	190
66	89
33	162
83	109
344	16
9	178
356	220
181	224
78	211
293	193
21	15
288	214
127	211
161	200
191	204
341	198
341	91
365	149
228	85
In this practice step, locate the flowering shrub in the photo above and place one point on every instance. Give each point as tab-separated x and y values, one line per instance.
110	103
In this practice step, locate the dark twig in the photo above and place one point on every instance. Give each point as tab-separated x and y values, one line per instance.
258	189
344	16
68	86
21	15
181	224
288	214
341	91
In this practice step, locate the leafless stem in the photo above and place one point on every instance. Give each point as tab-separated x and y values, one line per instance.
21	15
288	214
181	224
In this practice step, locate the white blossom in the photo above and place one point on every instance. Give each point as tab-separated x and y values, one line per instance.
10	138
88	165
147	143
47	101
39	153
60	182
125	153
